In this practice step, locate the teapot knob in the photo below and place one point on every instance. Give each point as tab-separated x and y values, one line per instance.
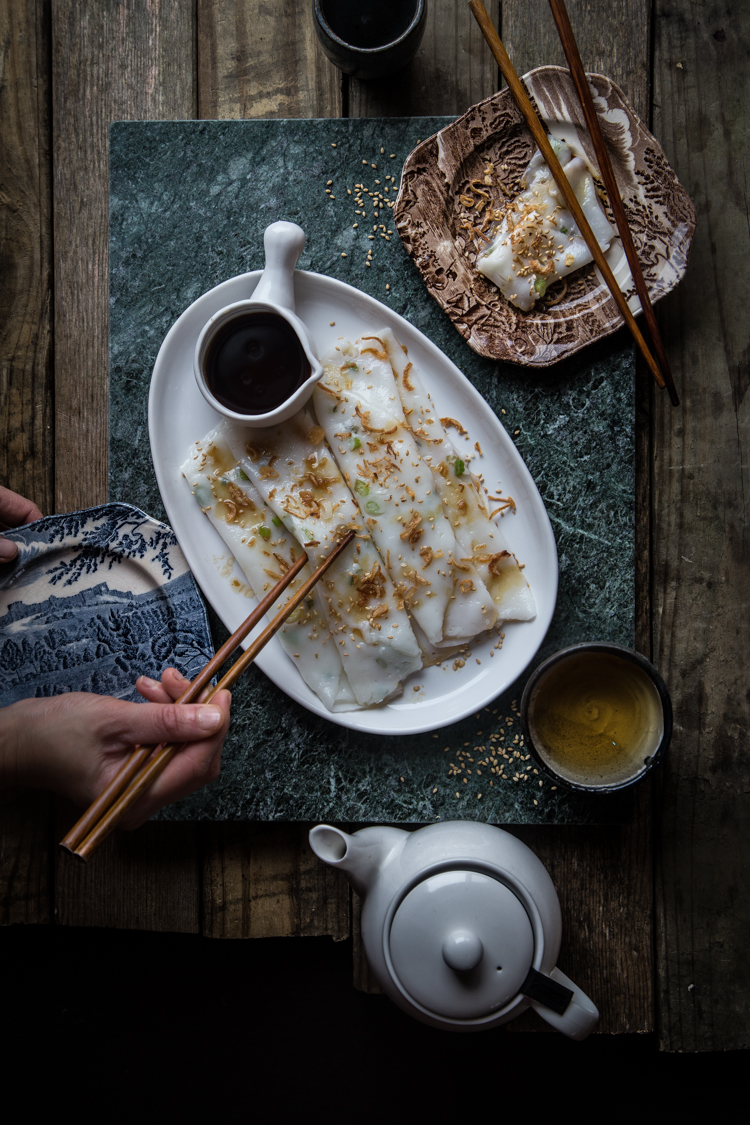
462	951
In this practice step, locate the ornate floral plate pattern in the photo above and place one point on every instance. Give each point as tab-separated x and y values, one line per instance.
93	600
429	216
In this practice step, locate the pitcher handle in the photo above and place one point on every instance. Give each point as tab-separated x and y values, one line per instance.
579	1018
284	242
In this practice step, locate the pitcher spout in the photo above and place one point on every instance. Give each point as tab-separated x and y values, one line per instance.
360	856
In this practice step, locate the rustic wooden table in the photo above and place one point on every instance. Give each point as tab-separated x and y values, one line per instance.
653	914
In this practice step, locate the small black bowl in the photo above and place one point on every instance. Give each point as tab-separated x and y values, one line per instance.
603	647
368	39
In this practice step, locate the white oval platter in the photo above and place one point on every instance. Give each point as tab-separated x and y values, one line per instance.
178	415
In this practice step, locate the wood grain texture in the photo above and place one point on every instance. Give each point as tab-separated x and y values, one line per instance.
26	403
452	70
26	386
363	977
133	59
700	561
144	880
613	38
264	881
260	59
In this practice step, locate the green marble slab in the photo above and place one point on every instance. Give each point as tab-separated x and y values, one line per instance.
189	202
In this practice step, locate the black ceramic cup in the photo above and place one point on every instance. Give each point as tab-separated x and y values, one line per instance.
597	717
370	38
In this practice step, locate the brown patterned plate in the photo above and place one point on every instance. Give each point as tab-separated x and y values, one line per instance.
432	220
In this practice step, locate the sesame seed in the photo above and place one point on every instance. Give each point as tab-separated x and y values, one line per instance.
343	255
332	145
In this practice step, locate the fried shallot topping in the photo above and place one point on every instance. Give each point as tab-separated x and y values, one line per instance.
412	532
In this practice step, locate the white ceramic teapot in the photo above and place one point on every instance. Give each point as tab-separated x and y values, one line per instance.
460	923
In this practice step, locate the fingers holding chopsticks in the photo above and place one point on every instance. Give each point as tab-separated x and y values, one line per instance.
203	729
74	744
168	689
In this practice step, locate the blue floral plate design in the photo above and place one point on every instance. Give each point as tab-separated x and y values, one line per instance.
93	600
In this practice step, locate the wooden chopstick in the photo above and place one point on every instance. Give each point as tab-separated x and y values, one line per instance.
141	754
540	136
139	779
572	54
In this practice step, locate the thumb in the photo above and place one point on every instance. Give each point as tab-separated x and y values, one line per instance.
149	723
8	549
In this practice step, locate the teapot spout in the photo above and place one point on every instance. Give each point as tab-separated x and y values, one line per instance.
360	856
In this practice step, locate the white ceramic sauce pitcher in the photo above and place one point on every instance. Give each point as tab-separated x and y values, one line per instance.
460	923
283	242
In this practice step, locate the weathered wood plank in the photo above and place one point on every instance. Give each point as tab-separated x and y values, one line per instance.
144	880
26	404
109	62
452	70
363	977
613	39
701	543
262	60
263	880
26	387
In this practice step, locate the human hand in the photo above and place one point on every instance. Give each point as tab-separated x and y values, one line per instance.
15	510
74	744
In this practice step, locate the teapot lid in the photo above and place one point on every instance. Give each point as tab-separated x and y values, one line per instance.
460	945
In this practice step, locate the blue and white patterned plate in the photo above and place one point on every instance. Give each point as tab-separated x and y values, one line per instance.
93	600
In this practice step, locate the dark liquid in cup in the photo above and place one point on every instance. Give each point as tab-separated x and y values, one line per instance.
255	362
370	25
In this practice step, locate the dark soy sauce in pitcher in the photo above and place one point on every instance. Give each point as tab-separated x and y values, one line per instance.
255	362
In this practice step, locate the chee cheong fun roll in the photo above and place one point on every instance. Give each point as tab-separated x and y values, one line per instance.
357	404
481	541
264	550
537	241
292	468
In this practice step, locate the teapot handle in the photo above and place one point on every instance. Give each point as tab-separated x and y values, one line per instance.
579	1018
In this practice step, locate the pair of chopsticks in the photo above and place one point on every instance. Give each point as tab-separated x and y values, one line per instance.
663	377
146	762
